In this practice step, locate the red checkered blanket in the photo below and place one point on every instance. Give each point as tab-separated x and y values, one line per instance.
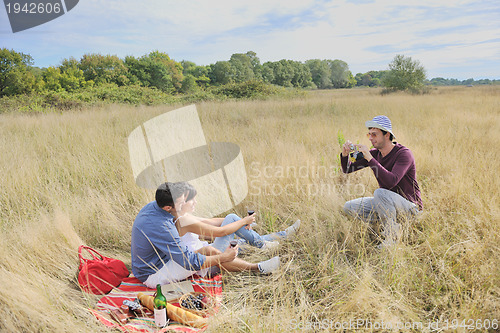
128	290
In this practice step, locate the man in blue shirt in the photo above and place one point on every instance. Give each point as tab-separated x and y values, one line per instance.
160	257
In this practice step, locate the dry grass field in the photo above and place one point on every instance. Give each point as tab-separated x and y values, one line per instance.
66	180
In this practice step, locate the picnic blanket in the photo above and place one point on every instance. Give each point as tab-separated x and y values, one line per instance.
128	290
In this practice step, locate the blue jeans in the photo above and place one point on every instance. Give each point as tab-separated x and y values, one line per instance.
250	236
385	206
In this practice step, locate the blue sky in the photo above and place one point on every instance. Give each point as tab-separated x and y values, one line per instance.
451	38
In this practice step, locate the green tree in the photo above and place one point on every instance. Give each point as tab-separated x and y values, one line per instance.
137	71
439	81
287	73
155	70
167	73
189	84
222	72
242	67
104	69
359	77
16	75
320	73
200	73
340	75
301	75
72	77
282	72
254	60
468	82
256	65
267	73
188	67
370	79
404	74
52	78
484	81
375	82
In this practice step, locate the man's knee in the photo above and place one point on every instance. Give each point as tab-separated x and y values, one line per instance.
347	208
384	198
350	208
381	194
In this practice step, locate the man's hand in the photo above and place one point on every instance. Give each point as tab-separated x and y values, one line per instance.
346	148
229	255
366	152
220	258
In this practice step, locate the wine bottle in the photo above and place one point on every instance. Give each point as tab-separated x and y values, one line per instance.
160	303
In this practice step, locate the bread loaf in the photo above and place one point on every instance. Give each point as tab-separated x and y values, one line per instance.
146	300
174	313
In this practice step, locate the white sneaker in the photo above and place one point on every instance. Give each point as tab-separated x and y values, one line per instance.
270	245
269	266
292	230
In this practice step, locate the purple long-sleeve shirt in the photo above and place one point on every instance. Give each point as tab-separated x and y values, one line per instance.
395	172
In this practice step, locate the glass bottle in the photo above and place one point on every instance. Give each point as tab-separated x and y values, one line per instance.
160	303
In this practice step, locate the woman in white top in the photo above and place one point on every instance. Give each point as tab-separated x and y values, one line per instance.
190	227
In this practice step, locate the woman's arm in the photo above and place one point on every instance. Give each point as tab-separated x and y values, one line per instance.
216	221
188	224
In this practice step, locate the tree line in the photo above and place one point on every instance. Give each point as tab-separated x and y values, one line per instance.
157	70
376	78
439	81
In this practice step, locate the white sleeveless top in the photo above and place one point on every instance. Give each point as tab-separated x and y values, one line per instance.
193	242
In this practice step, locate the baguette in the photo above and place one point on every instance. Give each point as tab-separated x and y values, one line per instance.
146	300
174	313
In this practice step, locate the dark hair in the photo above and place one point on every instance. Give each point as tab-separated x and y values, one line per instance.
167	193
189	189
391	137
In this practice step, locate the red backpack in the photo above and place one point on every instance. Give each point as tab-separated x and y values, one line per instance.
100	274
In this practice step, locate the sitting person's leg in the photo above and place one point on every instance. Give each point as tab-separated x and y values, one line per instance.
271	240
170	272
285	234
389	205
252	237
239	265
221	243
361	207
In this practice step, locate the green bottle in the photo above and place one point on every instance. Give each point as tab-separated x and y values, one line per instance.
160	303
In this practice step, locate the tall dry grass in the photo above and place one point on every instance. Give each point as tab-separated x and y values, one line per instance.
66	180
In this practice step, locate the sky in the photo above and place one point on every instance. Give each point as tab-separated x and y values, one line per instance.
450	38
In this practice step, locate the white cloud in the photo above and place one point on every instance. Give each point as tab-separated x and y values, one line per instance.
441	34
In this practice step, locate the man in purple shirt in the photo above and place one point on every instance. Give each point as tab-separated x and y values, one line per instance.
394	168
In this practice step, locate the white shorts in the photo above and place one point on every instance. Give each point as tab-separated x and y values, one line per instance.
171	272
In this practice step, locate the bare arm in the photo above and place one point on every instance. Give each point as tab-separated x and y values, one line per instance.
216	221
188	224
217	259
